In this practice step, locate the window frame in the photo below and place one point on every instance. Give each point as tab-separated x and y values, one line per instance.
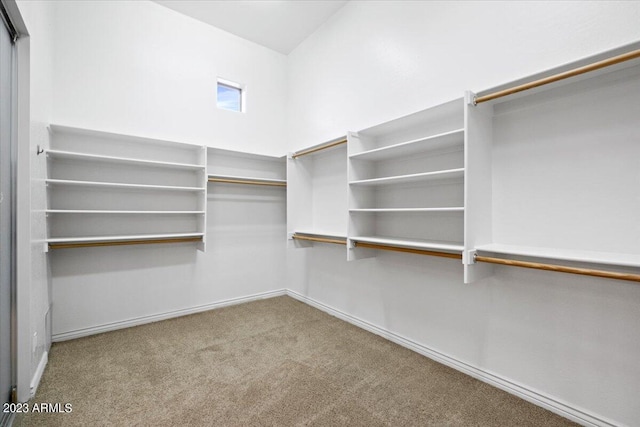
231	85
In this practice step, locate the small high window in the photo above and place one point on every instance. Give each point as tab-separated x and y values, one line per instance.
230	96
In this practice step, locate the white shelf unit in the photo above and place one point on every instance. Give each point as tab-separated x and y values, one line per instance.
105	187
317	195
406	183
556	171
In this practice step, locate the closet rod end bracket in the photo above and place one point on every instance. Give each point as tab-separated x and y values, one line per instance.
470	98
469	257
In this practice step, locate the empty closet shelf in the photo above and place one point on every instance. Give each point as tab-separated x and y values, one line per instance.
407	210
320	237
118	185
79	242
122	237
417	177
333	143
59	154
427	144
574	255
232	179
407	243
89	211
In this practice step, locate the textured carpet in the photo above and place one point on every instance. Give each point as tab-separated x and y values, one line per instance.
274	362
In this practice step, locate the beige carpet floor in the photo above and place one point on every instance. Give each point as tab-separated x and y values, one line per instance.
274	362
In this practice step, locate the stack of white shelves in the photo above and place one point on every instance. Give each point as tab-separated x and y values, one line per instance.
406	182
317	196
105	188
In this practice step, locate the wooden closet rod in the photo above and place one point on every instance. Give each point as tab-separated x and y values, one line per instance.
320	239
560	76
249	182
407	250
122	243
560	268
322	147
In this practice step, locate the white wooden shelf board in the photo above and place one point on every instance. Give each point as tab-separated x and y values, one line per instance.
407	210
122	137
421	145
124	160
90	211
318	233
329	145
122	238
417	244
248	178
417	177
214	151
591	257
70	183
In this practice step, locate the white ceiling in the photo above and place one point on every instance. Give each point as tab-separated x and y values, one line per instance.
280	25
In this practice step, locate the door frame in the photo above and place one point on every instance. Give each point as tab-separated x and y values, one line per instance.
21	302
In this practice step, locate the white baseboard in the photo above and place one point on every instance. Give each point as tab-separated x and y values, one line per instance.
37	376
537	398
69	335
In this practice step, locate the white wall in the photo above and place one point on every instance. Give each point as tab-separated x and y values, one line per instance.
570	338
374	61
38	17
138	68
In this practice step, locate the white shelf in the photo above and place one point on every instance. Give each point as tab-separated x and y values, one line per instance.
416	244
319	233
125	160
55	128
421	145
65	182
122	238
92	211
407	210
417	177
248	178
591	257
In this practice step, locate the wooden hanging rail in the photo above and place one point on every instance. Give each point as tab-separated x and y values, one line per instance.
320	239
68	245
560	76
559	268
321	147
407	250
248	182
